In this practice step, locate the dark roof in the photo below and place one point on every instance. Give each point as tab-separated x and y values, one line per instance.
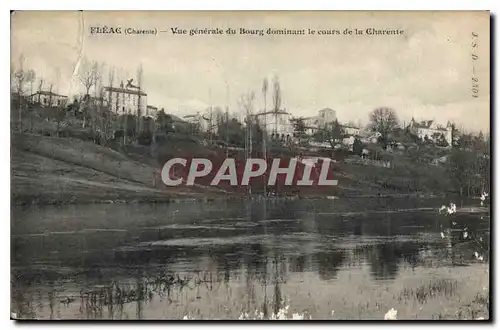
47	93
422	124
124	90
152	107
177	119
426	124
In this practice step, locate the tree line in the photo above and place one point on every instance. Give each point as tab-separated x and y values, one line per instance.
467	163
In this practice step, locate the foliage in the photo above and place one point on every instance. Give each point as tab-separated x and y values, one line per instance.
357	147
299	127
384	121
230	130
404	136
145	138
469	171
164	122
336	133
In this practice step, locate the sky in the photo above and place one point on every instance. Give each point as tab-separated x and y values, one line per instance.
426	72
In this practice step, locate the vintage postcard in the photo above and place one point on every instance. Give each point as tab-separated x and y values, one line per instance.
298	165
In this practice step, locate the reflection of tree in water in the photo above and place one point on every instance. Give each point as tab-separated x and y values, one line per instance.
357	226
384	258
255	260
227	259
255	267
383	261
297	263
22	302
27	294
329	263
278	278
464	237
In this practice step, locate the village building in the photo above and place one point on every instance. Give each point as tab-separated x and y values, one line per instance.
324	117
277	124
48	99
351	130
200	120
120	100
430	130
151	111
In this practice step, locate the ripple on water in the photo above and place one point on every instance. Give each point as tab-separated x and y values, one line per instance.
203	241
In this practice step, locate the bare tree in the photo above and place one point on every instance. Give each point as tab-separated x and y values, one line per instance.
51	88
276	101
125	114
140	121
264	133
109	117
265	87
89	74
383	120
40	88
59	111
117	104
98	120
21	77
246	103
32	82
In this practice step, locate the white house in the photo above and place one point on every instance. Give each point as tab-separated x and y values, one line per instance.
125	100
151	111
277	124
371	137
198	119
429	129
351	130
325	116
349	142
48	99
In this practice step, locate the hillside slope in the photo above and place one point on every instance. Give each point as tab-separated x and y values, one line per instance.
49	170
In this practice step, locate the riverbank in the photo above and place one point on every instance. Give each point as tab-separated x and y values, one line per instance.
57	171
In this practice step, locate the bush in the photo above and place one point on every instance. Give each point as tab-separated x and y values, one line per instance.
145	138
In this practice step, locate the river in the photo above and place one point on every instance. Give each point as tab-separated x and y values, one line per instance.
324	259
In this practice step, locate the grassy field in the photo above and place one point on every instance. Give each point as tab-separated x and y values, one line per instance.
50	170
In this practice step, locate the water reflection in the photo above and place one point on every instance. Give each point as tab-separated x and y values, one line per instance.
215	260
